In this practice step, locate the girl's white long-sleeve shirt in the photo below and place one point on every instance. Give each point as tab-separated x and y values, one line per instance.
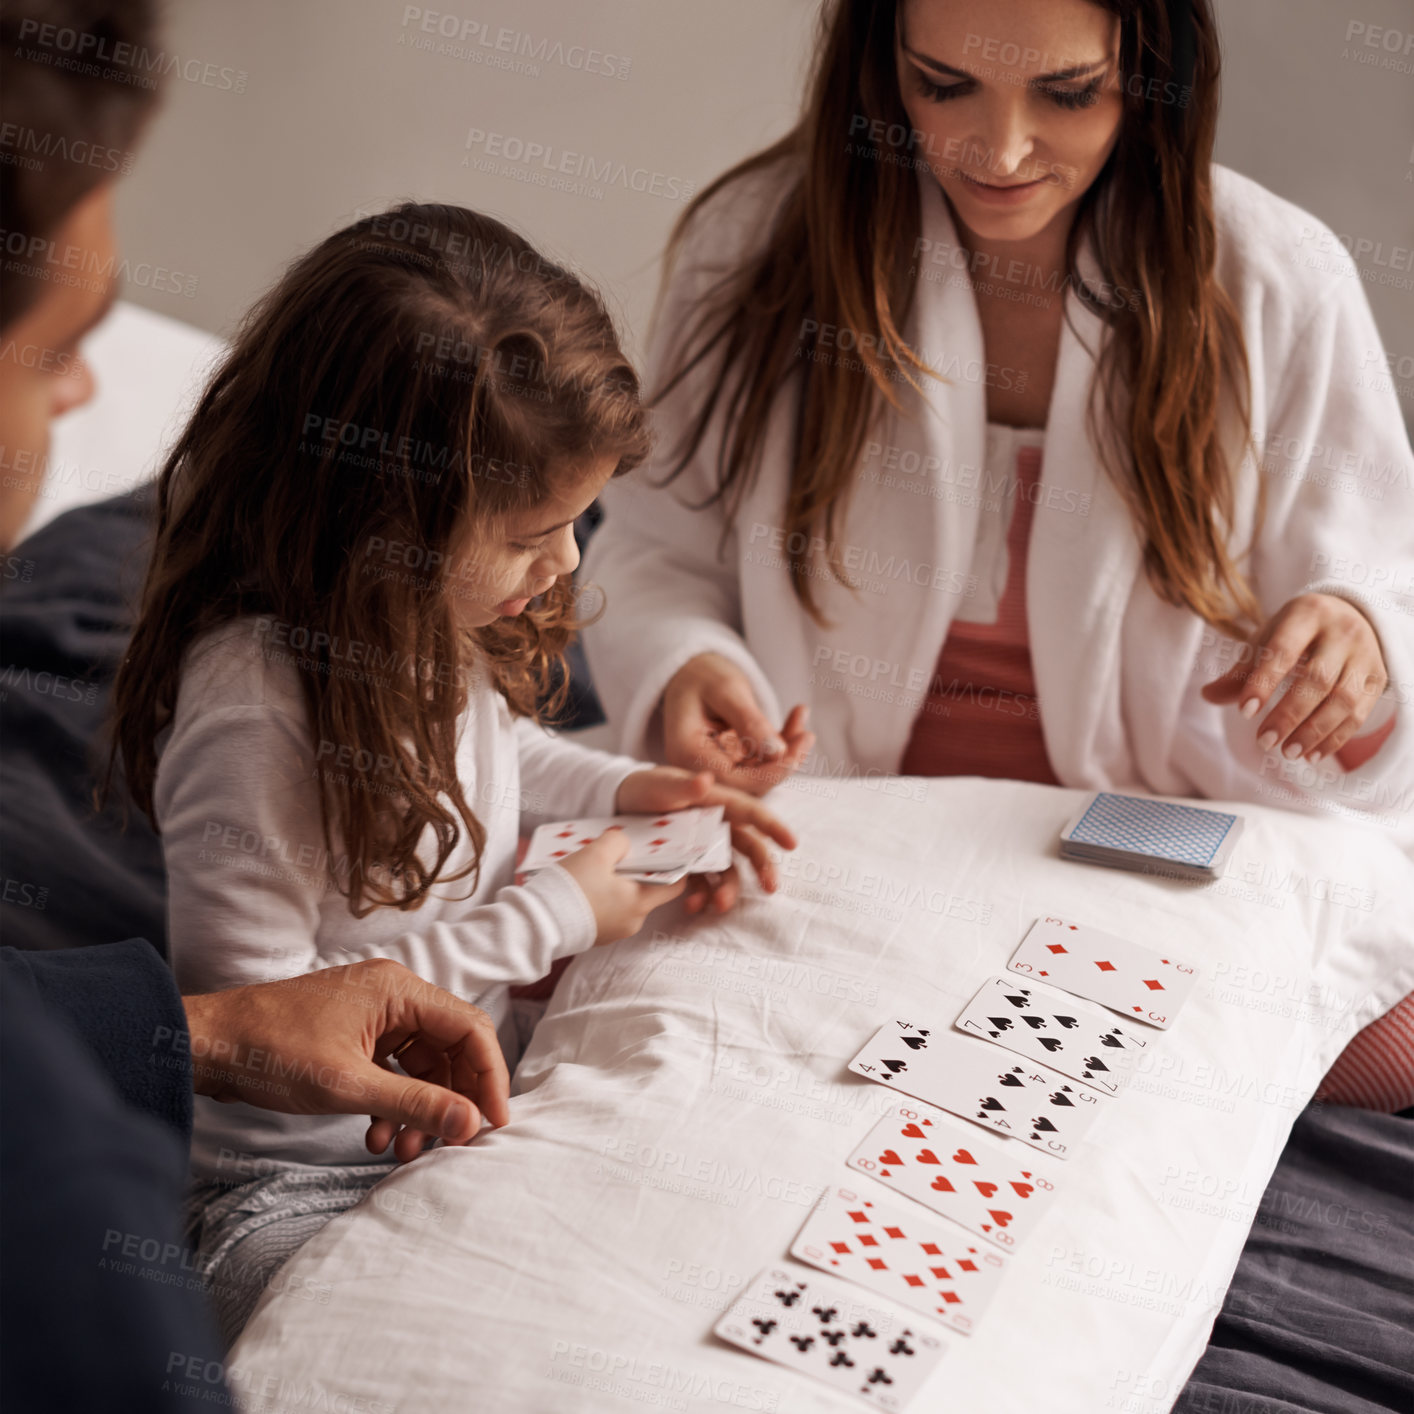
251	893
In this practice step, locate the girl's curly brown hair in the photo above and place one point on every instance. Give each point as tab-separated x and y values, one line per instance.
416	374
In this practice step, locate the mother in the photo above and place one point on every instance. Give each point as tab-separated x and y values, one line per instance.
1006	434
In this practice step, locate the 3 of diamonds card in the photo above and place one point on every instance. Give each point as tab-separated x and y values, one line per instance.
823	1327
1016	1098
1136	981
901	1253
996	1190
1073	1037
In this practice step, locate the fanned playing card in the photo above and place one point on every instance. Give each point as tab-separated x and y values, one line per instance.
902	1254
1016	1098
823	1327
1071	1036
1137	981
662	848
994	1189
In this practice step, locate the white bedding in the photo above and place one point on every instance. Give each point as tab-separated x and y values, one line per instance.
685	1098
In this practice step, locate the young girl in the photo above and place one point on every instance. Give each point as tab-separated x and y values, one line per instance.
359	592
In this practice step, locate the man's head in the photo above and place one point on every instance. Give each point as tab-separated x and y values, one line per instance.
78	87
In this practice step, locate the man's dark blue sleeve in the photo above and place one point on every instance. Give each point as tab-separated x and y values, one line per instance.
122	1003
101	1304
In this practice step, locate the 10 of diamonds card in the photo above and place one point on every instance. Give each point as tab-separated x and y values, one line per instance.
821	1326
902	1254
1016	1098
1136	981
1075	1038
996	1190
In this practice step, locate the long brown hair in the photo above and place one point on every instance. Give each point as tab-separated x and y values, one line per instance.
415	375
1172	377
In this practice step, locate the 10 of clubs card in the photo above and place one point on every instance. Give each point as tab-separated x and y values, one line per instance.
823	1327
996	1190
980	1082
1071	1036
903	1254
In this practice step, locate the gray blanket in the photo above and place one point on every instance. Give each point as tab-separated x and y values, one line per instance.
1319	1316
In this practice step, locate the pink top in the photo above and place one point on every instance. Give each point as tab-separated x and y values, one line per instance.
981	716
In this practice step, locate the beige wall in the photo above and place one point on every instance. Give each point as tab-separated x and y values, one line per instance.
341	111
1303	115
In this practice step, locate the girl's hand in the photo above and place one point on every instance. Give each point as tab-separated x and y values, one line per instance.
712	721
1338	674
671	788
620	905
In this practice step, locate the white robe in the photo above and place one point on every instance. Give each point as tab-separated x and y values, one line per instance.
1117	670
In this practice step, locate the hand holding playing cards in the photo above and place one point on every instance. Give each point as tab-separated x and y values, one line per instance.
620	904
712	721
1333	654
671	788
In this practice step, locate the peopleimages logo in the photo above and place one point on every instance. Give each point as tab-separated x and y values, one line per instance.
41	257
21	145
501	46
95	55
544	161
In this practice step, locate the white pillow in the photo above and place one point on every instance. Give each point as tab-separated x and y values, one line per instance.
685	1099
148	370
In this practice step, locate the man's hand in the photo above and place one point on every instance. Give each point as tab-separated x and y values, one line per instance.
319	1044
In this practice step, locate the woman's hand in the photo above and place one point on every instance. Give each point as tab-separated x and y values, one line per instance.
319	1044
620	904
671	788
1338	673
712	722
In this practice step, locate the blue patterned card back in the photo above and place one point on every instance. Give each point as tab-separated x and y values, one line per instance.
1182	833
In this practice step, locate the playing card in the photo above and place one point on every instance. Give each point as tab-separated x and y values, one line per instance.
664	876
714	857
1141	983
1069	1035
1135	832
662	848
900	1253
1014	1097
716	853
996	1190
824	1327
